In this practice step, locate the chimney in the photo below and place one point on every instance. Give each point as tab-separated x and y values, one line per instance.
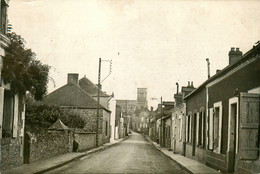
188	83
151	109
234	55
218	70
99	86
192	84
73	78
208	64
177	88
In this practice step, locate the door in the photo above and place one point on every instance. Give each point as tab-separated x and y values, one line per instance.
27	145
232	133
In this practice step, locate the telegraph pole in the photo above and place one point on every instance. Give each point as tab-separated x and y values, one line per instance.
98	100
161	124
98	93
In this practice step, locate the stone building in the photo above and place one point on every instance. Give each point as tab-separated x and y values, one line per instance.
92	90
130	108
12	109
72	98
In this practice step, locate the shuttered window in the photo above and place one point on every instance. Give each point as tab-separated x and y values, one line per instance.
217	119
249	126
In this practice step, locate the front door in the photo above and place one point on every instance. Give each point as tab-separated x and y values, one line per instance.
232	133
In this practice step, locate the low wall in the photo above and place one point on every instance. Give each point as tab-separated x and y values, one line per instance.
85	141
49	144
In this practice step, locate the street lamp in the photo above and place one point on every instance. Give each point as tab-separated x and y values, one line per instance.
98	94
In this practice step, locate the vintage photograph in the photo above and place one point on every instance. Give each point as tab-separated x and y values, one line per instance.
130	86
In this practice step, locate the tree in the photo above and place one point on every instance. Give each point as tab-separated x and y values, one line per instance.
22	70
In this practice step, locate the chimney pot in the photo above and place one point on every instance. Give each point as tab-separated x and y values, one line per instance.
188	83
191	83
73	78
234	55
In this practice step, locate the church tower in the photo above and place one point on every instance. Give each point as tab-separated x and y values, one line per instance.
141	97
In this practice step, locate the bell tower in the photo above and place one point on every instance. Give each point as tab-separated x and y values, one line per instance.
141	97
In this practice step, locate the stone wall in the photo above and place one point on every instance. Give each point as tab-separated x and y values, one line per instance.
11	153
90	115
49	144
85	141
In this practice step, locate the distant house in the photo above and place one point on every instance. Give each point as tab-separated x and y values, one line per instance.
179	118
12	110
223	116
92	90
141	119
167	124
72	98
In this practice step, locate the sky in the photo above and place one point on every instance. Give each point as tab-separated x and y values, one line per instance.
152	43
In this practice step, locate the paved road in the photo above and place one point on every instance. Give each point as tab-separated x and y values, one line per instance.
134	155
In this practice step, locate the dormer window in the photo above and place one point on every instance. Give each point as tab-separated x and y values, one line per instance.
3	16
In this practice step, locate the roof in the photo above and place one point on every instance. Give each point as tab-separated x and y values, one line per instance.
90	88
58	125
71	95
142	109
245	57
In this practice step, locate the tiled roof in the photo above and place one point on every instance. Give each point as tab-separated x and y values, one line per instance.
90	88
71	95
58	125
248	55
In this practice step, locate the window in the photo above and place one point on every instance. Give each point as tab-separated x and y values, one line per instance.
188	128
201	128
106	128
215	127
8	114
180	127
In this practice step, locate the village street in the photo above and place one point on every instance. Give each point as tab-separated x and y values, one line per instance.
134	155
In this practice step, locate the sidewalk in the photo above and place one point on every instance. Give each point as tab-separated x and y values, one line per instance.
191	165
58	161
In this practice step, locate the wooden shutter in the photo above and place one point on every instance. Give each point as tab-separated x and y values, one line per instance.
2	90
197	127
187	128
15	121
211	129
249	126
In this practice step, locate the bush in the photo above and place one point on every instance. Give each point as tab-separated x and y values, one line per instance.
43	116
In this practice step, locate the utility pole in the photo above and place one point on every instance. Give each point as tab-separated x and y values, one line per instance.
161	124
98	100
98	94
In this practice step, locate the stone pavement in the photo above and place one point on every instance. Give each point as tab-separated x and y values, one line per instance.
58	161
191	165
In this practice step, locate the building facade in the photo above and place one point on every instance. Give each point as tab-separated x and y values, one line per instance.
222	122
72	98
12	109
